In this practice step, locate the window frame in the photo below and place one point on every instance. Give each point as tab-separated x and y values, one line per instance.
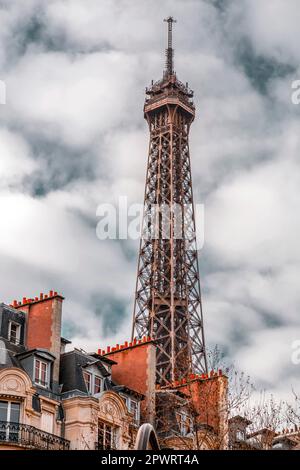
94	384
18	332
9	433
89	388
38	381
136	411
92	379
185	423
112	432
128	400
240	435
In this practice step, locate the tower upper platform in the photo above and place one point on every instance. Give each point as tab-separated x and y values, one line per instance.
169	90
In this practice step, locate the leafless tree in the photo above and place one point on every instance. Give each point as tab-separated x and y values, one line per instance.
261	414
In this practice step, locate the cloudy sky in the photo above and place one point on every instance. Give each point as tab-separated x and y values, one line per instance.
72	136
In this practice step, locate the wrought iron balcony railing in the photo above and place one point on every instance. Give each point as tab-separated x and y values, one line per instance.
31	437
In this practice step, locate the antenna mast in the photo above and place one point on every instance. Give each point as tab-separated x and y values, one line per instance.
169	68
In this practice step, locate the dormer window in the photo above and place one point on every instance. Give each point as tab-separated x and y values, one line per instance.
97	384
93	383
14	332
41	372
88	381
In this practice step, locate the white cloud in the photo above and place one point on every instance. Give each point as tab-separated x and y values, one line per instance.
72	98
258	217
273	28
15	161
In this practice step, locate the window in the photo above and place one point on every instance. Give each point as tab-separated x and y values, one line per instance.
133	407
97	384
41	373
14	331
185	424
93	383
88	381
47	422
107	436
10	415
240	435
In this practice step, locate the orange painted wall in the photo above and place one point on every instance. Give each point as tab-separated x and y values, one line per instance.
135	369
209	400
43	326
131	367
39	325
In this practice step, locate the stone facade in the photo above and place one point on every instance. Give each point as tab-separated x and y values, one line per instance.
56	400
51	398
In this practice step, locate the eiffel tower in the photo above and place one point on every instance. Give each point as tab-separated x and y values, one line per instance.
168	298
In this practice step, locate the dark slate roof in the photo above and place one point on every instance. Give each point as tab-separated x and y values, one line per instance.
65	341
71	365
13	348
11	351
128	391
103	358
41	352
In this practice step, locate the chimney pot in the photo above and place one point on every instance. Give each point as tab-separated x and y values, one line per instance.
51	293
108	349
24	300
126	344
41	296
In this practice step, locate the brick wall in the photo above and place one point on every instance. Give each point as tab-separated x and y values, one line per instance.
135	369
43	328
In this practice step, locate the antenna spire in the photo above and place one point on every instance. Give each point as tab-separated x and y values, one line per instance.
169	68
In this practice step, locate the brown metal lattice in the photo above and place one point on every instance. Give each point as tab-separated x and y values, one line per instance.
168	297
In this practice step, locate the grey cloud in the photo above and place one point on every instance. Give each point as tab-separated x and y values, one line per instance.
73	136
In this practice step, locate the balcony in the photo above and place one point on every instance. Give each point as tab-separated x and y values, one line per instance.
26	436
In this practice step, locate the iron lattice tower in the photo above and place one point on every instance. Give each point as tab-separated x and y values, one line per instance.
168	298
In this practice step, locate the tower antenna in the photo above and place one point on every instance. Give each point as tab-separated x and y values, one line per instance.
169	68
